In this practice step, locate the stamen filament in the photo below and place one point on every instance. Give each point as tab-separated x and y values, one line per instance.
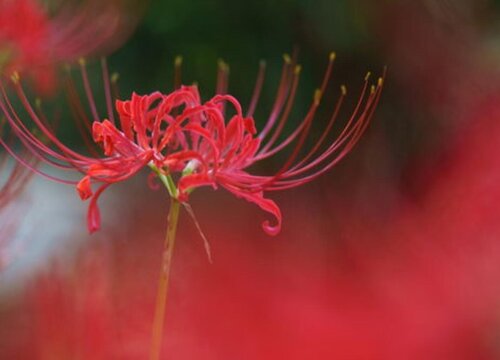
258	88
88	90
107	90
177	72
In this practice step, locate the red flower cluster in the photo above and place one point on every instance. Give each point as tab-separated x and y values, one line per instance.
32	41
188	143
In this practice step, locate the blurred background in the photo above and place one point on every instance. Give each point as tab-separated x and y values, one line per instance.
394	254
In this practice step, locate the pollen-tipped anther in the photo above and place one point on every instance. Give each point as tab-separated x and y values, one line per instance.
223	66
317	96
178	61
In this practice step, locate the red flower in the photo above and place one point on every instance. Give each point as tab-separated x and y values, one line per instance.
24	29
178	136
32	41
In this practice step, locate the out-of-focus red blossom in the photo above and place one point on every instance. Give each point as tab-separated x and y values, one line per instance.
177	134
443	54
23	33
32	41
423	284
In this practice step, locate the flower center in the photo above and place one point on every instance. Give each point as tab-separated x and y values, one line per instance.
190	167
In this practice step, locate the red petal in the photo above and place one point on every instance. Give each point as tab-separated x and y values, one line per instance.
193	181
123	109
93	213
250	125
113	140
265	204
84	189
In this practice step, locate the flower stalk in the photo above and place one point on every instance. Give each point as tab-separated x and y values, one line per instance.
161	297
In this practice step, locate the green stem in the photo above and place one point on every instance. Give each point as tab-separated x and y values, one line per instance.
166	180
161	297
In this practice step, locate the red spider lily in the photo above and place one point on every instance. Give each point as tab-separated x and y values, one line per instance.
31	40
177	135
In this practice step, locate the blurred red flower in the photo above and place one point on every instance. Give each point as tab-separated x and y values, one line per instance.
32	40
420	284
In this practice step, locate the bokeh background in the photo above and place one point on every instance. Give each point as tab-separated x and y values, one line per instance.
394	254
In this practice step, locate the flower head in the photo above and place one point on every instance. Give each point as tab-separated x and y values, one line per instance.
188	143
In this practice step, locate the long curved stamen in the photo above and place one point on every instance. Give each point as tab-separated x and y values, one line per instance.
18	178
70	159
24	135
41	126
34	168
222	81
328	72
257	89
281	95
333	117
318	144
115	89
19	174
177	72
375	94
352	125
286	112
265	152
307	125
107	90
83	124
88	90
222	77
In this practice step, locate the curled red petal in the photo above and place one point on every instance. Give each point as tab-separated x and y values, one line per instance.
267	205
93	213
84	189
